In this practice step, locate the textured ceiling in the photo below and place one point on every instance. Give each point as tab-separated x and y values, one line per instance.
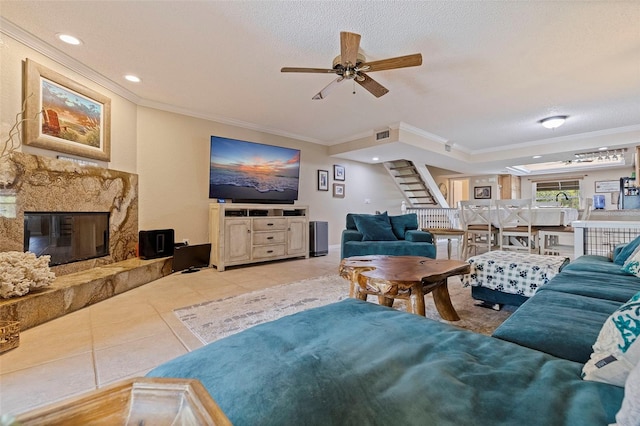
491	70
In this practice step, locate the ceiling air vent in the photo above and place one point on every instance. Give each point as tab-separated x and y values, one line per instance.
384	134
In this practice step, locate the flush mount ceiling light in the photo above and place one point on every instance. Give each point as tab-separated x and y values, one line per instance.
69	39
132	78
553	122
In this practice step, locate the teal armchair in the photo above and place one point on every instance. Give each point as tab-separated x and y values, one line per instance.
367	234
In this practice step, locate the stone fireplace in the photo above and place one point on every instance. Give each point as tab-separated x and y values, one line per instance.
32	184
42	184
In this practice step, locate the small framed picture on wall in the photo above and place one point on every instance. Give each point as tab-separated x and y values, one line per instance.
338	190
338	172
323	180
482	192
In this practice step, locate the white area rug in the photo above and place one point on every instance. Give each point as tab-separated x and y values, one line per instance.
215	319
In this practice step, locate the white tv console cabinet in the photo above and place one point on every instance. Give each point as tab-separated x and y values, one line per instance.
250	233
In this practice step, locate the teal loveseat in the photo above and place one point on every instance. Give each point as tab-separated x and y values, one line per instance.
368	234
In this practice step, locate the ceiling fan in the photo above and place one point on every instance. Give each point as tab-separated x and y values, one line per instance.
352	65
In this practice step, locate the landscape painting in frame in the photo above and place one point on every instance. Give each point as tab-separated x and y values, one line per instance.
65	116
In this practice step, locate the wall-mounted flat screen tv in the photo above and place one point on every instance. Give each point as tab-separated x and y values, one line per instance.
250	172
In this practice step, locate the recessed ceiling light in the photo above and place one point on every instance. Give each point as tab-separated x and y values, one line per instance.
375	159
69	39
553	122
604	148
132	78
537	156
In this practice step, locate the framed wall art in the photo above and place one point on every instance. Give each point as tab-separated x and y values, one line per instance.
482	192
338	190
338	172
608	186
71	118
323	180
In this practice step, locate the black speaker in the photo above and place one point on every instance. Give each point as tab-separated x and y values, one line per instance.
157	243
318	238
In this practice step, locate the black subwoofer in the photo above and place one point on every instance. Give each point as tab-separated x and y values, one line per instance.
157	243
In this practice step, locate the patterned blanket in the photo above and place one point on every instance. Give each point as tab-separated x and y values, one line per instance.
510	272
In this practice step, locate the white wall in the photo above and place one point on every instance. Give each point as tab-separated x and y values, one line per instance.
173	169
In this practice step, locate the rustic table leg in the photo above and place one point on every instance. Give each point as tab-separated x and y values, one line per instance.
416	299
443	302
358	293
385	301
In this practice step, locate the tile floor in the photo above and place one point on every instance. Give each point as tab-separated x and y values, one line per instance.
128	335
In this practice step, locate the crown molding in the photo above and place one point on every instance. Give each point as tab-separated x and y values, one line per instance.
422	133
564	139
10	29
225	120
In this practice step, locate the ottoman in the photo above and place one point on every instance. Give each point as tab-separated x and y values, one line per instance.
508	278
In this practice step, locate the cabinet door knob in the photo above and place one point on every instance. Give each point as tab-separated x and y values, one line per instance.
269	251
269	238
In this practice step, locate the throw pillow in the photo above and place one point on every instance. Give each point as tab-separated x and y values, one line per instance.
629	413
626	251
632	264
617	349
351	223
374	228
403	223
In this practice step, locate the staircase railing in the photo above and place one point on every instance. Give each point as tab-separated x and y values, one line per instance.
437	217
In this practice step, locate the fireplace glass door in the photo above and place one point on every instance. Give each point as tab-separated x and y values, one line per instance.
67	237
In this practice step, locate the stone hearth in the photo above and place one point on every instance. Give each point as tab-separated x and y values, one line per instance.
74	291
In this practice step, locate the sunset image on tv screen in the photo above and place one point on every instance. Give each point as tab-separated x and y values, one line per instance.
241	170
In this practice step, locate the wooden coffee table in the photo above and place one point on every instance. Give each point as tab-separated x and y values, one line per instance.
403	277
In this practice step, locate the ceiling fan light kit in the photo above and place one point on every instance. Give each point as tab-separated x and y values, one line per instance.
352	65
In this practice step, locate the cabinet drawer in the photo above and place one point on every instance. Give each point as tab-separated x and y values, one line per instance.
263	252
270	224
262	238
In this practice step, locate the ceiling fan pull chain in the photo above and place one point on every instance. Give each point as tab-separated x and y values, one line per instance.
354	87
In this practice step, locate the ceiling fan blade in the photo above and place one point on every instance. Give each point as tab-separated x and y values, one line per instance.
349	45
324	92
316	70
372	86
392	63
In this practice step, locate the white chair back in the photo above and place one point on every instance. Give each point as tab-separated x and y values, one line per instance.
514	213
586	212
475	213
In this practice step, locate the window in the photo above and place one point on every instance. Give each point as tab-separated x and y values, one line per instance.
565	193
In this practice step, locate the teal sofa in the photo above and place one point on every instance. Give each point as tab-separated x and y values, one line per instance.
358	363
367	234
565	316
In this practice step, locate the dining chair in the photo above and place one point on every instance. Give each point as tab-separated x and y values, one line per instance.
558	240
517	232
479	231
